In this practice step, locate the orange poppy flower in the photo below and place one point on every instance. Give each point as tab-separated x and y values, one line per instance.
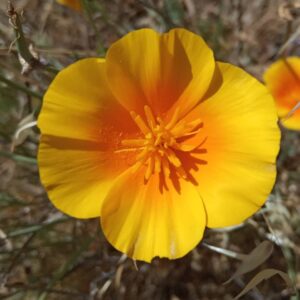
74	4
283	80
160	140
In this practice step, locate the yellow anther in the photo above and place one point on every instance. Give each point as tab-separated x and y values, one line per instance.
134	143
149	136
178	130
185	147
174	160
191	133
157	164
173	120
183	129
194	124
140	123
165	166
158	139
160	121
150	117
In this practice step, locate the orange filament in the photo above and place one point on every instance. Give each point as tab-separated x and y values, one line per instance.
159	144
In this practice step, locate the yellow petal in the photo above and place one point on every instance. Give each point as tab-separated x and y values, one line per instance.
283	80
238	170
147	68
82	127
202	64
145	220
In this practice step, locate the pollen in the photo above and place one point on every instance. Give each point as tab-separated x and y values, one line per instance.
160	143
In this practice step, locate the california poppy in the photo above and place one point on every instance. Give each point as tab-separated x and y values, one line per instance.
283	80
158	139
74	4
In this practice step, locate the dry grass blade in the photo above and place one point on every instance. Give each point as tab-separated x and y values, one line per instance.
254	259
291	112
226	252
292	40
264	275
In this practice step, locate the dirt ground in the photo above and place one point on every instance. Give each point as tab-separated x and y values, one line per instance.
47	255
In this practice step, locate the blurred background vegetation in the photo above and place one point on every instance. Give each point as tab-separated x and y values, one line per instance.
47	255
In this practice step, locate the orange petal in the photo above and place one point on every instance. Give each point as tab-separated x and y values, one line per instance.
147	68
82	127
77	174
283	80
79	105
241	139
146	219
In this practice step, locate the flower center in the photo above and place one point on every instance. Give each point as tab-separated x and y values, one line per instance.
161	143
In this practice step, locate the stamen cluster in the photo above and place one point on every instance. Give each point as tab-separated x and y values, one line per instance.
161	142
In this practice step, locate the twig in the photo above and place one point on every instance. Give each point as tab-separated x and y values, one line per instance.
27	57
21	43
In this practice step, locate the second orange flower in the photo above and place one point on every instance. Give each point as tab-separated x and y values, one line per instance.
283	80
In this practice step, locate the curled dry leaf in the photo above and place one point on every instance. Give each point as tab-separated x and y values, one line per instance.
289	11
264	275
23	130
254	259
284	12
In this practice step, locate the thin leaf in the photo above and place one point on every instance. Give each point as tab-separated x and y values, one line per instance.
254	259
264	275
67	266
